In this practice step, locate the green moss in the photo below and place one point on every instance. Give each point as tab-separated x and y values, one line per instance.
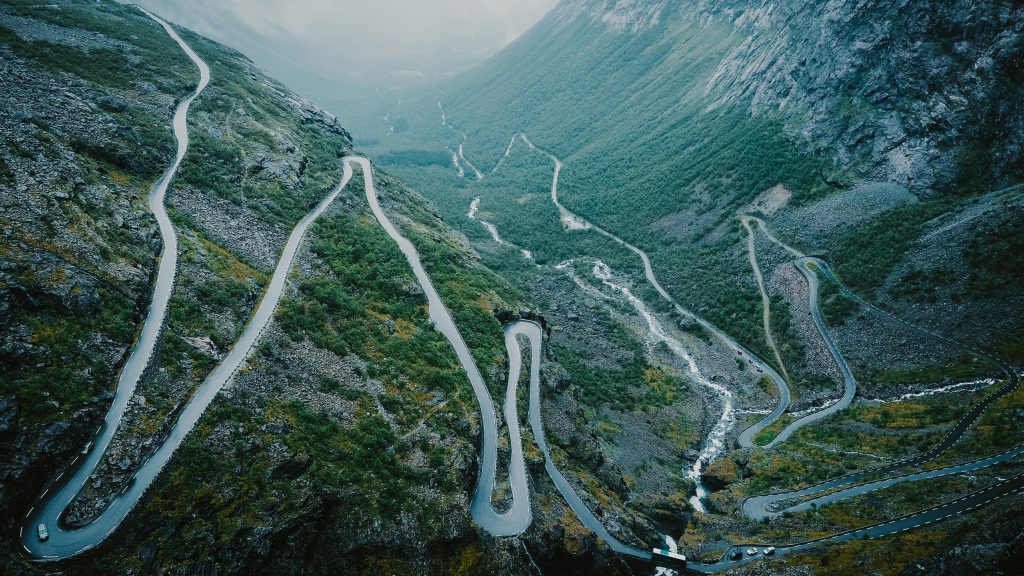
57	370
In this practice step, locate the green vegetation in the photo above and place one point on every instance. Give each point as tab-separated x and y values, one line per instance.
909	415
364	456
150	54
866	436
614	386
418	158
922	286
341	312
995	253
836	308
117	71
765	436
864	256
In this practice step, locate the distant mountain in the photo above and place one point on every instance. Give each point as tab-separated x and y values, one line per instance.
706	207
923	94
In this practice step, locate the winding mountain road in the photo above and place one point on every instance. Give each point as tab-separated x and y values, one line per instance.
518	517
575	222
766	303
808	267
534	334
757	508
66	541
962	505
855	484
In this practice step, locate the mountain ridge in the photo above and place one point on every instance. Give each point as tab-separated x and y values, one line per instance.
604	173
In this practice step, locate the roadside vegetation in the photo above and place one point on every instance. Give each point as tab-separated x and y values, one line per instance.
263	460
864	256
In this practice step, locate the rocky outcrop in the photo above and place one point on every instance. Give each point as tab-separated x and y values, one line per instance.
910	92
620	15
923	93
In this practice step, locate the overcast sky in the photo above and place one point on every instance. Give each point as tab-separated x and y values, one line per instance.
359	39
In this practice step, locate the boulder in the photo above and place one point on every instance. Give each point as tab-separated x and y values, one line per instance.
8	416
720	474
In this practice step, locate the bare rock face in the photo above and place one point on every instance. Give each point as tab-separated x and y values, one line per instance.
921	93
920	86
620	15
8	415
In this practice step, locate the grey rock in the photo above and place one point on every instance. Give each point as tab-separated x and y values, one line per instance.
51	441
8	415
113	104
18	116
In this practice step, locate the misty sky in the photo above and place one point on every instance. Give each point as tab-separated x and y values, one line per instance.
358	41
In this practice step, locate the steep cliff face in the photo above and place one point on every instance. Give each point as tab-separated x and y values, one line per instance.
922	93
620	15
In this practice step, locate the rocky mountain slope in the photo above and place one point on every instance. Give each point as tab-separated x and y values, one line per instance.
923	94
880	136
336	433
349	441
